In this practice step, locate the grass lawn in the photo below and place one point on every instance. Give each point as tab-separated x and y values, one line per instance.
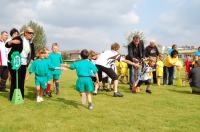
168	109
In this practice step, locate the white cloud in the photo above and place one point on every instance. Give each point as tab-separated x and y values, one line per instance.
130	18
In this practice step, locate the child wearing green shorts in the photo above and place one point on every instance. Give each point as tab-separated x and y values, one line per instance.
85	70
41	67
56	60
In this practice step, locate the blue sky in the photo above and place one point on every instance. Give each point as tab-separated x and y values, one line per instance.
78	24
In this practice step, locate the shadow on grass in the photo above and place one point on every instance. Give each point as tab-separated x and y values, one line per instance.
5	94
30	94
179	91
73	103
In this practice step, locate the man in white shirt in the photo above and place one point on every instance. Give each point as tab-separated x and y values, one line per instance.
3	61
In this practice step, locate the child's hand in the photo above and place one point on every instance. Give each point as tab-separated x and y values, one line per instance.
64	68
63	65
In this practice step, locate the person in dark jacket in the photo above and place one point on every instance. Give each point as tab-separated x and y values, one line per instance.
23	45
194	78
152	51
135	54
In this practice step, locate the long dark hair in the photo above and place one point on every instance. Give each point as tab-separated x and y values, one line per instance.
174	52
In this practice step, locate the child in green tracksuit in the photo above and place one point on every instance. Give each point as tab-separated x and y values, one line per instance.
41	68
56	60
49	75
85	69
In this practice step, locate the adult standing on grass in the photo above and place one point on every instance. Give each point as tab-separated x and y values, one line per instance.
194	78
135	54
3	61
168	70
152	51
23	45
106	60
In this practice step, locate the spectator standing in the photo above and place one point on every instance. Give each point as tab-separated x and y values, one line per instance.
3	61
135	54
152	51
168	69
23	44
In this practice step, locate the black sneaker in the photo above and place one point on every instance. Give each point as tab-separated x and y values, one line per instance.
117	94
94	93
90	107
49	94
148	91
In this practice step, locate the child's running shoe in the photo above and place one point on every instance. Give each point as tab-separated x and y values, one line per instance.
49	94
38	99
148	91
90	107
117	94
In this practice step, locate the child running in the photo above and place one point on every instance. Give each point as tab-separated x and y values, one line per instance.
49	75
56	60
85	69
41	68
144	76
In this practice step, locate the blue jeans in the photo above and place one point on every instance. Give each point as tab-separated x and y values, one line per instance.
168	74
133	73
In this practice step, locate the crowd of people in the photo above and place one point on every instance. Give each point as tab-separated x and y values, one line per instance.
145	65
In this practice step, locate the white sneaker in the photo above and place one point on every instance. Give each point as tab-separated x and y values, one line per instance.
41	99
38	99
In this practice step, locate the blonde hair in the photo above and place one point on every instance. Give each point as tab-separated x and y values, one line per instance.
92	54
55	44
40	51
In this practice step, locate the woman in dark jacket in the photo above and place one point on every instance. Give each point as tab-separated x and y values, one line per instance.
17	44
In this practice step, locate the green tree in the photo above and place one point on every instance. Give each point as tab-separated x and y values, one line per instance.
39	39
130	35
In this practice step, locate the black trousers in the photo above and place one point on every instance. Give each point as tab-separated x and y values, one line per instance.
21	79
3	77
109	71
168	74
154	77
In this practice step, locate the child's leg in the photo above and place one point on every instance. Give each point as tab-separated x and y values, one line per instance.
96	87
137	90
115	85
41	94
89	96
38	93
57	87
48	87
158	81
148	89
83	98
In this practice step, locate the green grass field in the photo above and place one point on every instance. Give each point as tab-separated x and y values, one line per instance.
167	109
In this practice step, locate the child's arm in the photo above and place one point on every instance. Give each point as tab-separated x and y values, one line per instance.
60	68
97	78
131	63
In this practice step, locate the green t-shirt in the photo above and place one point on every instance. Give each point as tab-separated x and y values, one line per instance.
39	67
56	60
84	68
